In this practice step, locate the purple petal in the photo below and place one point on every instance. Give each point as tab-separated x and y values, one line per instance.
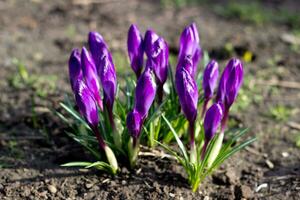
231	80
210	77
134	123
135	49
145	92
107	74
234	82
189	46
212	120
188	93
150	38
90	75
96	44
74	67
160	60
86	103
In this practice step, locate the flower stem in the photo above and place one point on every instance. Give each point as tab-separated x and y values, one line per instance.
133	151
204	108
160	93
224	120
108	152
203	151
193	150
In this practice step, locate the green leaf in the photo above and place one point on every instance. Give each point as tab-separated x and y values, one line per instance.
99	165
172	152
220	159
76	164
75	114
84	142
180	144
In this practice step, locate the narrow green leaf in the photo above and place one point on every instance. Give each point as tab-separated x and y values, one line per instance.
75	114
219	160
180	144
76	164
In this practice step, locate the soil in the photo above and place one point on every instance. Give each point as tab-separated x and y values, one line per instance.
32	141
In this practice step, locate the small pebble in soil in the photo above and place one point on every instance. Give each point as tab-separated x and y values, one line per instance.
89	185
206	198
43	194
172	195
285	154
123	182
243	191
269	164
52	189
261	186
105	180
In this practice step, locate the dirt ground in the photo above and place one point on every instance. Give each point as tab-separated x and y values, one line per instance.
40	34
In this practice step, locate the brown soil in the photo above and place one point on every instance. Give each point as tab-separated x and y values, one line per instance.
33	144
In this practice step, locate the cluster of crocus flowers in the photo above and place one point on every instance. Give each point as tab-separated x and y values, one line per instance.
88	71
157	52
149	82
187	90
229	85
94	84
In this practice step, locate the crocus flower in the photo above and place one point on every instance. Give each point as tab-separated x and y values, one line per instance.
135	49
188	93
145	92
90	75
134	123
107	74
86	104
189	46
88	108
74	68
212	120
159	56
96	44
210	77
234	82
149	40
230	83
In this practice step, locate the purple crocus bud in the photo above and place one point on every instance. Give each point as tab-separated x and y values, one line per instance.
134	123
150	38
74	68
212	120
210	77
234	82
107	74
230	83
159	56
189	46
145	92
86	103
135	49
188	93
90	75
96	44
